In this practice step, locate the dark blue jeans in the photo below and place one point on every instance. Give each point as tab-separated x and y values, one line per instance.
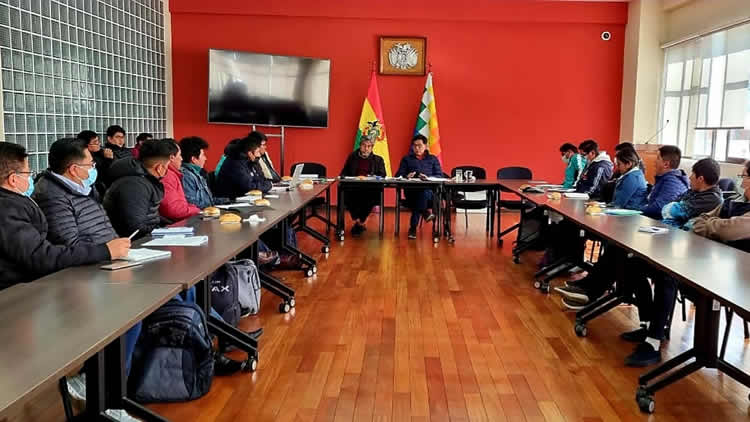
418	200
131	337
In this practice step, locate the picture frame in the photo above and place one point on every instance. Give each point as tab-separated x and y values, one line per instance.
403	55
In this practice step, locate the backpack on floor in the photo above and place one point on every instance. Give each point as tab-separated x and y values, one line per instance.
225	292
248	281
173	359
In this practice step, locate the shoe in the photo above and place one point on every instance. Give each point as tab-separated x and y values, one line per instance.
572	304
412	232
77	392
256	333
265	258
357	229
428	216
224	366
572	292
635	336
644	355
120	415
245	312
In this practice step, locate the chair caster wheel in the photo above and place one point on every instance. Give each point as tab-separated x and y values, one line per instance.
435	239
516	260
646	404
544	289
285	307
537	284
581	330
292	302
640	392
309	272
341	238
251	364
500	242
325	249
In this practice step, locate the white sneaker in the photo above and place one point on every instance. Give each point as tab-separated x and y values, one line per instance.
121	415
77	391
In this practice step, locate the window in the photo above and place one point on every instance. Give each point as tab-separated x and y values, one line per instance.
67	66
705	96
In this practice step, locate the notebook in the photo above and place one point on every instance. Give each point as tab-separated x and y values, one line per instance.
178	241
145	255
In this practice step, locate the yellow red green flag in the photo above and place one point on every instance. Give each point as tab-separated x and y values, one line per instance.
371	123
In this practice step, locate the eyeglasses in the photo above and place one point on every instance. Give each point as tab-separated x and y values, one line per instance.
743	176
91	164
32	173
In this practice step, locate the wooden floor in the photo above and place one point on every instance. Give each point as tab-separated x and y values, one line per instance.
394	329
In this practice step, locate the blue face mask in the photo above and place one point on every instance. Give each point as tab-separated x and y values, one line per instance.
30	190
87	183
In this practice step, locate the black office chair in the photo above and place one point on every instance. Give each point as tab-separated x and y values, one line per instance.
317	203
514	204
460	201
728	188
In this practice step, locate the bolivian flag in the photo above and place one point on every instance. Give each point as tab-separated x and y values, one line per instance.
371	123
427	120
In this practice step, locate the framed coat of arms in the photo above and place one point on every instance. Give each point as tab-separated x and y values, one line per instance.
403	55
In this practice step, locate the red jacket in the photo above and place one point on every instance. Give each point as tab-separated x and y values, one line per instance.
174	206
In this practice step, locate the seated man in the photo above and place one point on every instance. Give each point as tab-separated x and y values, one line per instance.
709	218
419	163
670	181
362	162
574	164
132	202
598	169
174	206
240	172
630	187
139	140
265	160
27	254
98	154
64	194
704	195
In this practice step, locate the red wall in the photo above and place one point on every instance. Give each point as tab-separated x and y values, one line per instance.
513	79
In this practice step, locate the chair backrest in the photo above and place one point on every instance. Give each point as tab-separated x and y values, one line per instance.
727	185
478	172
514	173
310	168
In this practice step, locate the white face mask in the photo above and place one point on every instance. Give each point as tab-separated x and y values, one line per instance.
565	159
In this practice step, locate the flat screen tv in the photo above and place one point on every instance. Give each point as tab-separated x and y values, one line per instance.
268	90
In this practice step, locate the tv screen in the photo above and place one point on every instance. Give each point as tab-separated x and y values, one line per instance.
269	90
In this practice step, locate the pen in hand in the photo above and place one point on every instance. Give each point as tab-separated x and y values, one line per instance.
133	235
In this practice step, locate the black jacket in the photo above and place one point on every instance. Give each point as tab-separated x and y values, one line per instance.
132	202
25	252
237	176
73	217
377	165
119	152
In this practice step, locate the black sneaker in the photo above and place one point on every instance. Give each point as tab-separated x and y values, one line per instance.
572	292
573	304
644	355
357	229
428	216
635	336
412	232
225	366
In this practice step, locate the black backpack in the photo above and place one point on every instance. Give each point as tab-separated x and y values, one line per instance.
225	292
173	359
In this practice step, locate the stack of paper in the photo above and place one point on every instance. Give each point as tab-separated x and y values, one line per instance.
576	195
168	231
144	255
621	211
178	241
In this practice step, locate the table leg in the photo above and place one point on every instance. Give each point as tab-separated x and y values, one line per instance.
436	209
340	212
96	386
328	210
381	217
398	209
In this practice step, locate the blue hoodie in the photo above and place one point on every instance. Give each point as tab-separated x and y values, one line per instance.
667	188
630	190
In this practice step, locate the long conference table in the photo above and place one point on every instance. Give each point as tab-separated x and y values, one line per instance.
717	274
78	315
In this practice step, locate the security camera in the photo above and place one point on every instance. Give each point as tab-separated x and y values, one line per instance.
606	36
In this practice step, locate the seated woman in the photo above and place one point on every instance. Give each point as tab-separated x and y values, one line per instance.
419	164
630	188
362	162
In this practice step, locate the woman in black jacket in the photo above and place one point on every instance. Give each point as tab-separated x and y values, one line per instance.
362	162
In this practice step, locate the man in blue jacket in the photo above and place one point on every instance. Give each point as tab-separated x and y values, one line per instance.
419	164
670	181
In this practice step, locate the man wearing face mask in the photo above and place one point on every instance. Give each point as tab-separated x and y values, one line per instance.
132	202
25	251
574	164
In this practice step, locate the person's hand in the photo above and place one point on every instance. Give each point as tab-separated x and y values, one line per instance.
118	248
410	175
108	153
422	176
